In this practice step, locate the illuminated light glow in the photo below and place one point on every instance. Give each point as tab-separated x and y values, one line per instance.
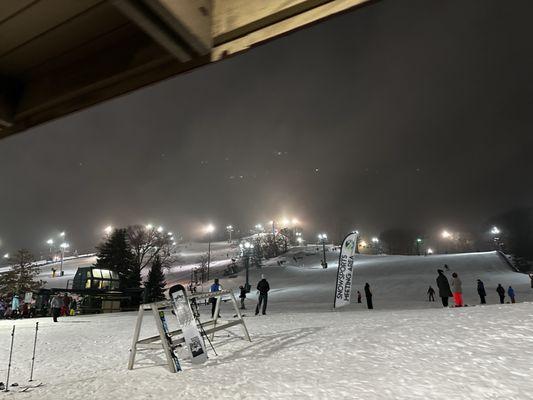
6	255
375	240
495	230
64	245
299	240
160	229
362	243
430	251
295	221
170	234
229	227
149	227
62	234
247	245
108	229
209	228
173	243
285	221
418	240
50	242
322	236
446	234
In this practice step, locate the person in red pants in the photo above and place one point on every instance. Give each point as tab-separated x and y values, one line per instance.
457	289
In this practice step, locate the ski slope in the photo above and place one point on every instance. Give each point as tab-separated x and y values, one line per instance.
406	348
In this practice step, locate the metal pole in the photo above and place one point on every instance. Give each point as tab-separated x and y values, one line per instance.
208	256
34	346
324	263
61	266
10	354
247	265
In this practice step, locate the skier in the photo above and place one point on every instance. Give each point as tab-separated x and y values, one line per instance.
56	303
431	294
15	304
481	291
215	287
242	296
444	287
510	292
501	292
263	287
457	287
368	295
358	296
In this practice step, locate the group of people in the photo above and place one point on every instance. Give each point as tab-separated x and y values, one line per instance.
455	290
14	308
62	305
263	288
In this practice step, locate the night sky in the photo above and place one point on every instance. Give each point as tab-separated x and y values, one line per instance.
410	113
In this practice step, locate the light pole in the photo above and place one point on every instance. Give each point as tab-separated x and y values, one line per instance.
323	237
418	241
50	243
246	249
446	236
209	229
273	227
495	232
229	228
63	247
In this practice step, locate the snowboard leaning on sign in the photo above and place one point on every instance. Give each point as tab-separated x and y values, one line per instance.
187	322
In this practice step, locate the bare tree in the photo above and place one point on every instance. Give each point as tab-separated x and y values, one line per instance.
147	243
22	277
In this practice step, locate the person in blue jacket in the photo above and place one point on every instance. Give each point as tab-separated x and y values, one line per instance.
215	287
511	294
15	304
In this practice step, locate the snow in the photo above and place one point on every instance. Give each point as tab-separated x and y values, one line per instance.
406	348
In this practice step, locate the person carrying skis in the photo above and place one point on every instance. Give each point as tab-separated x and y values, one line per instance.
368	295
511	294
242	296
481	291
444	287
431	294
501	293
55	304
215	287
263	287
457	289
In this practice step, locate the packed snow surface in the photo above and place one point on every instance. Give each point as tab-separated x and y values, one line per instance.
406	348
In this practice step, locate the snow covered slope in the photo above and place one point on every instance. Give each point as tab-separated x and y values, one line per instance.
396	281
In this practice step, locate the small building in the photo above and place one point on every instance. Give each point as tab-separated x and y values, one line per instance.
96	279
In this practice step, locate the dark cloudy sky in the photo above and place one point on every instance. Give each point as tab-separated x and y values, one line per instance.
404	113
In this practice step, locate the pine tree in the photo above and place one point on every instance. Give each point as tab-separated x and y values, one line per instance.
115	254
155	284
22	277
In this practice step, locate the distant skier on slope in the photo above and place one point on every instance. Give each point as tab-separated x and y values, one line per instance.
431	294
358	296
457	288
242	296
501	293
368	295
263	287
444	287
481	291
511	294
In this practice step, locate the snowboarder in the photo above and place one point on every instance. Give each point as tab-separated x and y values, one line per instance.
263	287
444	287
457	288
481	291
501	293
510	292
368	295
358	296
56	303
242	296
215	287
431	294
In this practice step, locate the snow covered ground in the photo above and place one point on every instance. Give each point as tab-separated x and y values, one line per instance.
406	348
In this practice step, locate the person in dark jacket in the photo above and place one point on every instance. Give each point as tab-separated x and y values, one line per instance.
242	296
511	294
368	295
481	291
358	296
263	287
444	287
431	294
501	293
